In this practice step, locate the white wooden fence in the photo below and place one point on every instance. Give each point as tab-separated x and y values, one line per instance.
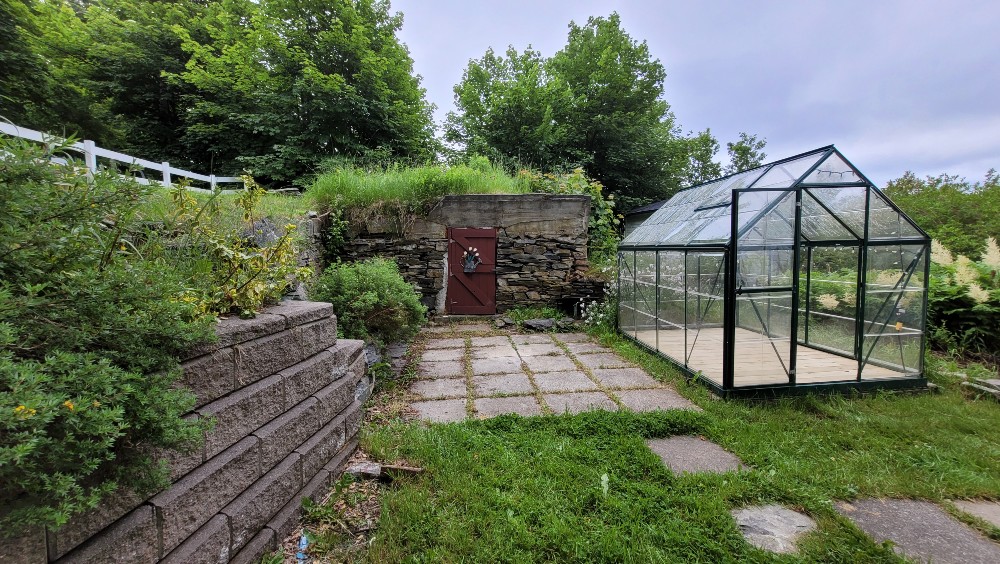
92	152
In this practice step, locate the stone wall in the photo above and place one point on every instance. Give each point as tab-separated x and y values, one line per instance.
286	397
541	247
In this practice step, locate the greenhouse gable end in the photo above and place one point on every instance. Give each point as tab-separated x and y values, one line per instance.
797	275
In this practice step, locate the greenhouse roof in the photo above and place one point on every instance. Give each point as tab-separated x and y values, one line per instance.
835	197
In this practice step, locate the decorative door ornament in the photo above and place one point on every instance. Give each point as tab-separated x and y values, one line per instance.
470	259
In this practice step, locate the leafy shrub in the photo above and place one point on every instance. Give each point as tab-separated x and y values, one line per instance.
964	303
371	300
92	317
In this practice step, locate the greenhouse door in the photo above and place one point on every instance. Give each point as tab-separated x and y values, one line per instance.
472	279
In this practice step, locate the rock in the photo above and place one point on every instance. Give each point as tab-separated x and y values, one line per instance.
539	324
372	356
772	527
364	470
499	323
262	233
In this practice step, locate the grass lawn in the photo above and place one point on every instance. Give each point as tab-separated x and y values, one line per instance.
586	488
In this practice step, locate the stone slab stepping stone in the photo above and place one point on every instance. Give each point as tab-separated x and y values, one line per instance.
445	344
604	360
521	405
920	530
540	349
618	378
566	381
988	511
441	411
587	348
473	327
572	337
539	364
498	365
579	402
531	339
440	388
494	351
511	384
694	454
657	398
772	527
437	355
441	369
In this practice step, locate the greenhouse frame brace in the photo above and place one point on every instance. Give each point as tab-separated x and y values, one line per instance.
795	276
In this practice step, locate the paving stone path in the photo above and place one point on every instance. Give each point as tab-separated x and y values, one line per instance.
462	374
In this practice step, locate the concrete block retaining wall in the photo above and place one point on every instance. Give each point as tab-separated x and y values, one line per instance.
286	397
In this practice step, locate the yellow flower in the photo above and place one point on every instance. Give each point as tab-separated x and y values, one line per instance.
69	405
96	403
23	412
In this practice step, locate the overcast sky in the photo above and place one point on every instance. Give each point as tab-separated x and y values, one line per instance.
897	85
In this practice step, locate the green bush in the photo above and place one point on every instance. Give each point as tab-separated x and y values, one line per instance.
92	318
371	300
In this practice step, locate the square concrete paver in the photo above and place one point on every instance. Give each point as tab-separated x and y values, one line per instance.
988	511
437	355
494	351
441	369
472	327
572	337
440	388
497	365
566	381
445	344
579	402
521	405
617	378
531	339
549	363
657	398
502	384
693	454
586	348
539	349
441	411
920	530
478	342
604	360
772	527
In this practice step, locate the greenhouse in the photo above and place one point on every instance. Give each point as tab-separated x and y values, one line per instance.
724	275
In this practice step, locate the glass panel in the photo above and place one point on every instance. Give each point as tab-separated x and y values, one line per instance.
786	174
819	225
829	291
752	203
671	319
776	227
705	284
833	170
645	297
626	293
764	267
886	222
763	343
893	312
847	203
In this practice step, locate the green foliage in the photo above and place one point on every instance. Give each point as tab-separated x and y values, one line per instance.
964	305
955	212
371	300
745	154
92	320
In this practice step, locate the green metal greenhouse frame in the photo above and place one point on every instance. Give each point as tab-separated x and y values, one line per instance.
799	275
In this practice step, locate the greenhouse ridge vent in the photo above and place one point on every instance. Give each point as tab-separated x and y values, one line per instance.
795	276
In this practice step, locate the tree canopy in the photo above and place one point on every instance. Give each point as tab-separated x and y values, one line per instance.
219	86
597	103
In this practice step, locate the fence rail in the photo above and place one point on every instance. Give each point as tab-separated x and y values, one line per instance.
91	152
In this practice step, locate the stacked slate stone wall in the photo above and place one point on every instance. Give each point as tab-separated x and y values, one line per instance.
541	247
286	398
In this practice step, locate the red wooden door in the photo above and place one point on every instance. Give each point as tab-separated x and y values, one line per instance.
472	292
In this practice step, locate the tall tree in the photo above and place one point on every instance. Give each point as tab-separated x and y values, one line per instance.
746	153
702	166
283	84
597	103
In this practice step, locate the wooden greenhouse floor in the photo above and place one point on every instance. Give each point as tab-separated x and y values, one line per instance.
756	361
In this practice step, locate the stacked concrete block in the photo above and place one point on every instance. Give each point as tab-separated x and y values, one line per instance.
284	395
